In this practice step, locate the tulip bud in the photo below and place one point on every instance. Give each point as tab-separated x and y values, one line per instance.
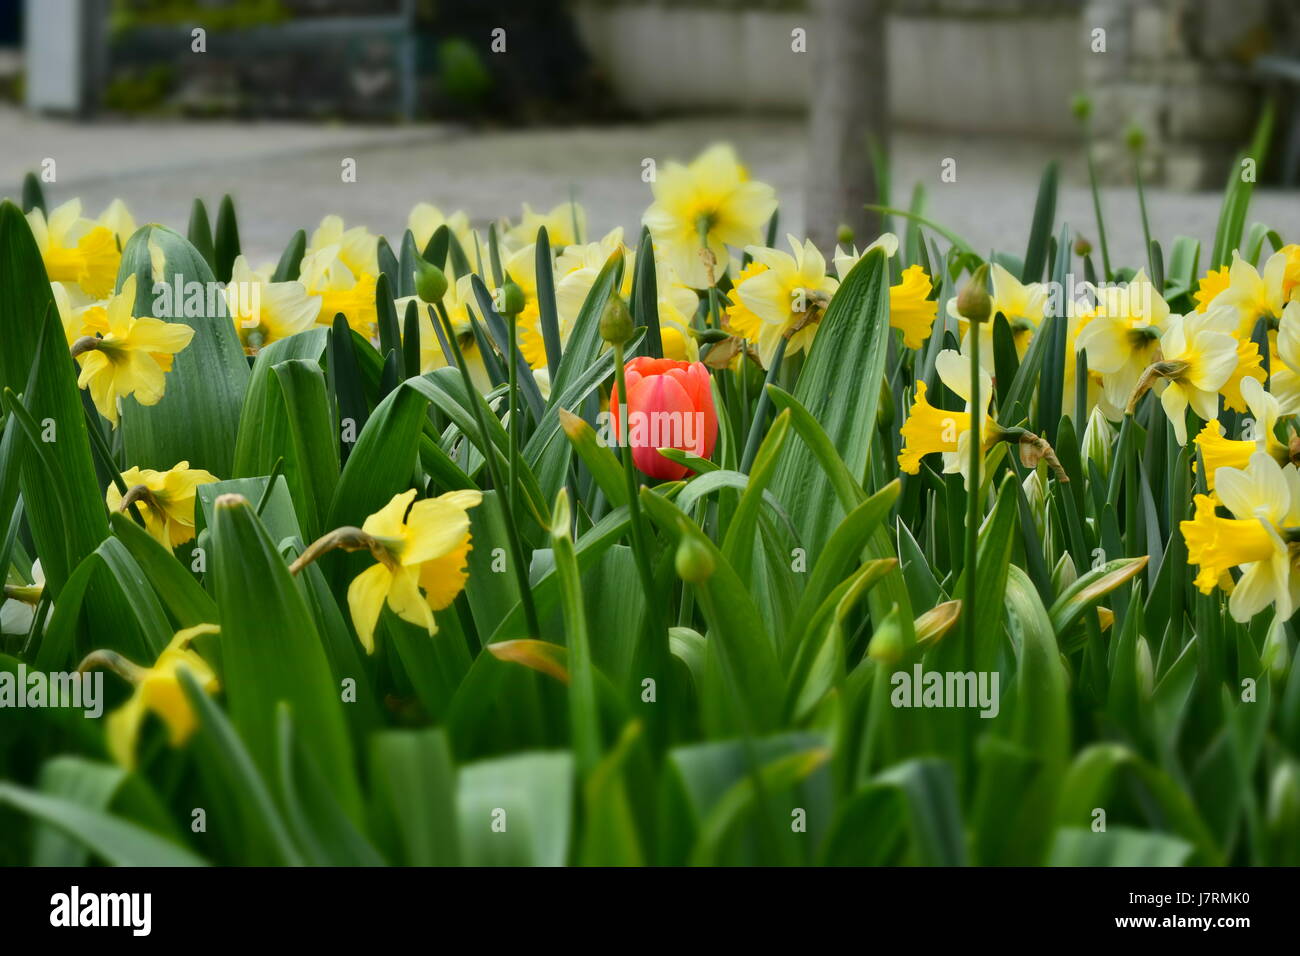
974	302
616	321
1099	441
430	282
512	297
694	561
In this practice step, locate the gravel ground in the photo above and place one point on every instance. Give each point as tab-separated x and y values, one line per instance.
286	176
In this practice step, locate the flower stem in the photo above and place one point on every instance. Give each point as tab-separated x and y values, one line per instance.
1096	201
489	456
756	427
969	611
658	649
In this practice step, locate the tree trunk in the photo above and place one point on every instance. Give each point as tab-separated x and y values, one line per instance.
848	118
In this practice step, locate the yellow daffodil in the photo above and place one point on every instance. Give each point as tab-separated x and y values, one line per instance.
1253	294
1121	332
422	549
326	274
1023	304
566	224
425	219
845	261
131	357
929	429
77	250
1198	354
911	310
1285	381
1212	283
1218	451
358	247
165	498
79	318
158	690
1249	367
266	311
787	298
456	301
1264	499
707	205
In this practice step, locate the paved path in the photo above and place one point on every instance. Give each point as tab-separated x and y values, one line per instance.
285	176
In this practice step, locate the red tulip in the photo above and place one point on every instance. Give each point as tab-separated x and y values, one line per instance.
669	405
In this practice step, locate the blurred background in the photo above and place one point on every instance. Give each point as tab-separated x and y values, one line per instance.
483	106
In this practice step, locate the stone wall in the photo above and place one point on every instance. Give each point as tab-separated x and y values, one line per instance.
1180	70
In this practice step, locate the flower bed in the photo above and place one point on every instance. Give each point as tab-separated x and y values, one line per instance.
701	545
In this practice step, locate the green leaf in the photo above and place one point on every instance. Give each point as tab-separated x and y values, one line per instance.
839	386
197	419
65	509
271	651
116	841
516	810
413	781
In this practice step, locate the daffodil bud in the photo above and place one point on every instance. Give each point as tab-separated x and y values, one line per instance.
886	645
1135	138
1064	574
844	234
1275	655
1145	670
974	302
512	297
1082	247
1099	441
1034	487
616	321
430	282
693	561
1081	107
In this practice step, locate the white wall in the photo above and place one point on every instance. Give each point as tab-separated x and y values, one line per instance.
53	54
956	74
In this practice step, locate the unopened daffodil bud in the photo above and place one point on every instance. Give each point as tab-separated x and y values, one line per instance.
1081	107
844	234
1082	247
512	297
693	561
1135	138
616	321
430	282
974	302
1099	441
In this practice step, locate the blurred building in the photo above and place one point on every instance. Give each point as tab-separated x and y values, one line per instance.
1191	73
